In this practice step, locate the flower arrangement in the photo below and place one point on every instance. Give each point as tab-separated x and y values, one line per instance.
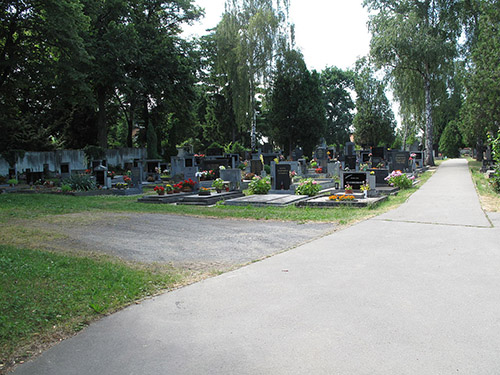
293	174
308	186
121	185
169	188
160	190
206	175
259	185
363	167
400	180
111	174
188	183
314	164
319	170
348	187
177	187
341	198
218	183
249	176
204	191
127	179
365	187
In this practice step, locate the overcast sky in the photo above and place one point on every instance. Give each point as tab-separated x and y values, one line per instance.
328	32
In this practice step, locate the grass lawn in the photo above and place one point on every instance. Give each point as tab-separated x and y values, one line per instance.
490	199
45	296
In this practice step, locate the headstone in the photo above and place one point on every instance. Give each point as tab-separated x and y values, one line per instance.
355	179
400	160
333	168
232	175
380	175
350	162
256	167
267	148
136	177
365	156
282	179
322	157
350	149
303	167
101	175
297	154
419	158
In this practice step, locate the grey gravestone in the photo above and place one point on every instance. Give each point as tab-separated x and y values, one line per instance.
333	169
349	149
350	162
232	175
302	167
322	157
137	179
256	167
419	159
101	175
355	179
281	180
400	160
297	154
380	175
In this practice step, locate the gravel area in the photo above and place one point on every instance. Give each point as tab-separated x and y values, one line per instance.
192	242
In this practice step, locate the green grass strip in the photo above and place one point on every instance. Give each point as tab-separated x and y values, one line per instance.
42	293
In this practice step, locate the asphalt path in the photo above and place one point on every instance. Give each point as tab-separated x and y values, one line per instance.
409	292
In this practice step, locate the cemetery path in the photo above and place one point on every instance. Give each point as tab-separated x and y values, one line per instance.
196	243
407	293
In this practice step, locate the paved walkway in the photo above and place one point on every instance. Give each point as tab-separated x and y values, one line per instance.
416	291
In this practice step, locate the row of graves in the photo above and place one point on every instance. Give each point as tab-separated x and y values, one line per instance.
334	170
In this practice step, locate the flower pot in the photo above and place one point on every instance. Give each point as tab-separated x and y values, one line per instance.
187	189
161	193
170	192
203	192
227	189
218	190
350	191
177	191
365	193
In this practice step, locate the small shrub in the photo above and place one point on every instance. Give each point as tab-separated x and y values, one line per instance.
80	182
12	181
259	185
308	186
400	180
267	168
65	188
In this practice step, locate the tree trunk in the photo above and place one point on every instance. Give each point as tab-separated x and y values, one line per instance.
253	130
102	126
429	141
479	149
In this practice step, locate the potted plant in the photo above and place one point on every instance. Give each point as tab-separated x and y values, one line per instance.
169	189
218	184
348	189
204	191
187	185
177	187
364	188
160	190
12	182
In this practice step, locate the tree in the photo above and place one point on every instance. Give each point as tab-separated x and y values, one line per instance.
451	140
248	38
296	111
416	41
335	84
481	112
374	121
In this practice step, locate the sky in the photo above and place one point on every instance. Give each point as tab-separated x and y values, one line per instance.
328	32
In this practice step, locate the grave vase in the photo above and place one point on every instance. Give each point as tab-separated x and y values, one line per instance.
365	193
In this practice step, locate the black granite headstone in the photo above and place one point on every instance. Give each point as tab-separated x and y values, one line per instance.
282	179
255	167
378	152
400	160
355	179
350	161
349	149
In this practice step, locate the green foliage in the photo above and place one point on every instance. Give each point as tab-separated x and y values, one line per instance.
218	183
80	182
94	153
417	43
339	106
482	105
259	185
296	110
308	186
267	169
12	181
451	140
374	122
152	143
400	180
65	188
495	149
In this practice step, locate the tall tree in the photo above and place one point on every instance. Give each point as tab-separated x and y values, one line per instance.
481	112
296	112
416	41
374	121
248	38
336	85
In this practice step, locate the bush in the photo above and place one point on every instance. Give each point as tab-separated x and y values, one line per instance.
267	168
308	186
400	180
451	140
65	188
12	181
260	185
80	182
495	148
